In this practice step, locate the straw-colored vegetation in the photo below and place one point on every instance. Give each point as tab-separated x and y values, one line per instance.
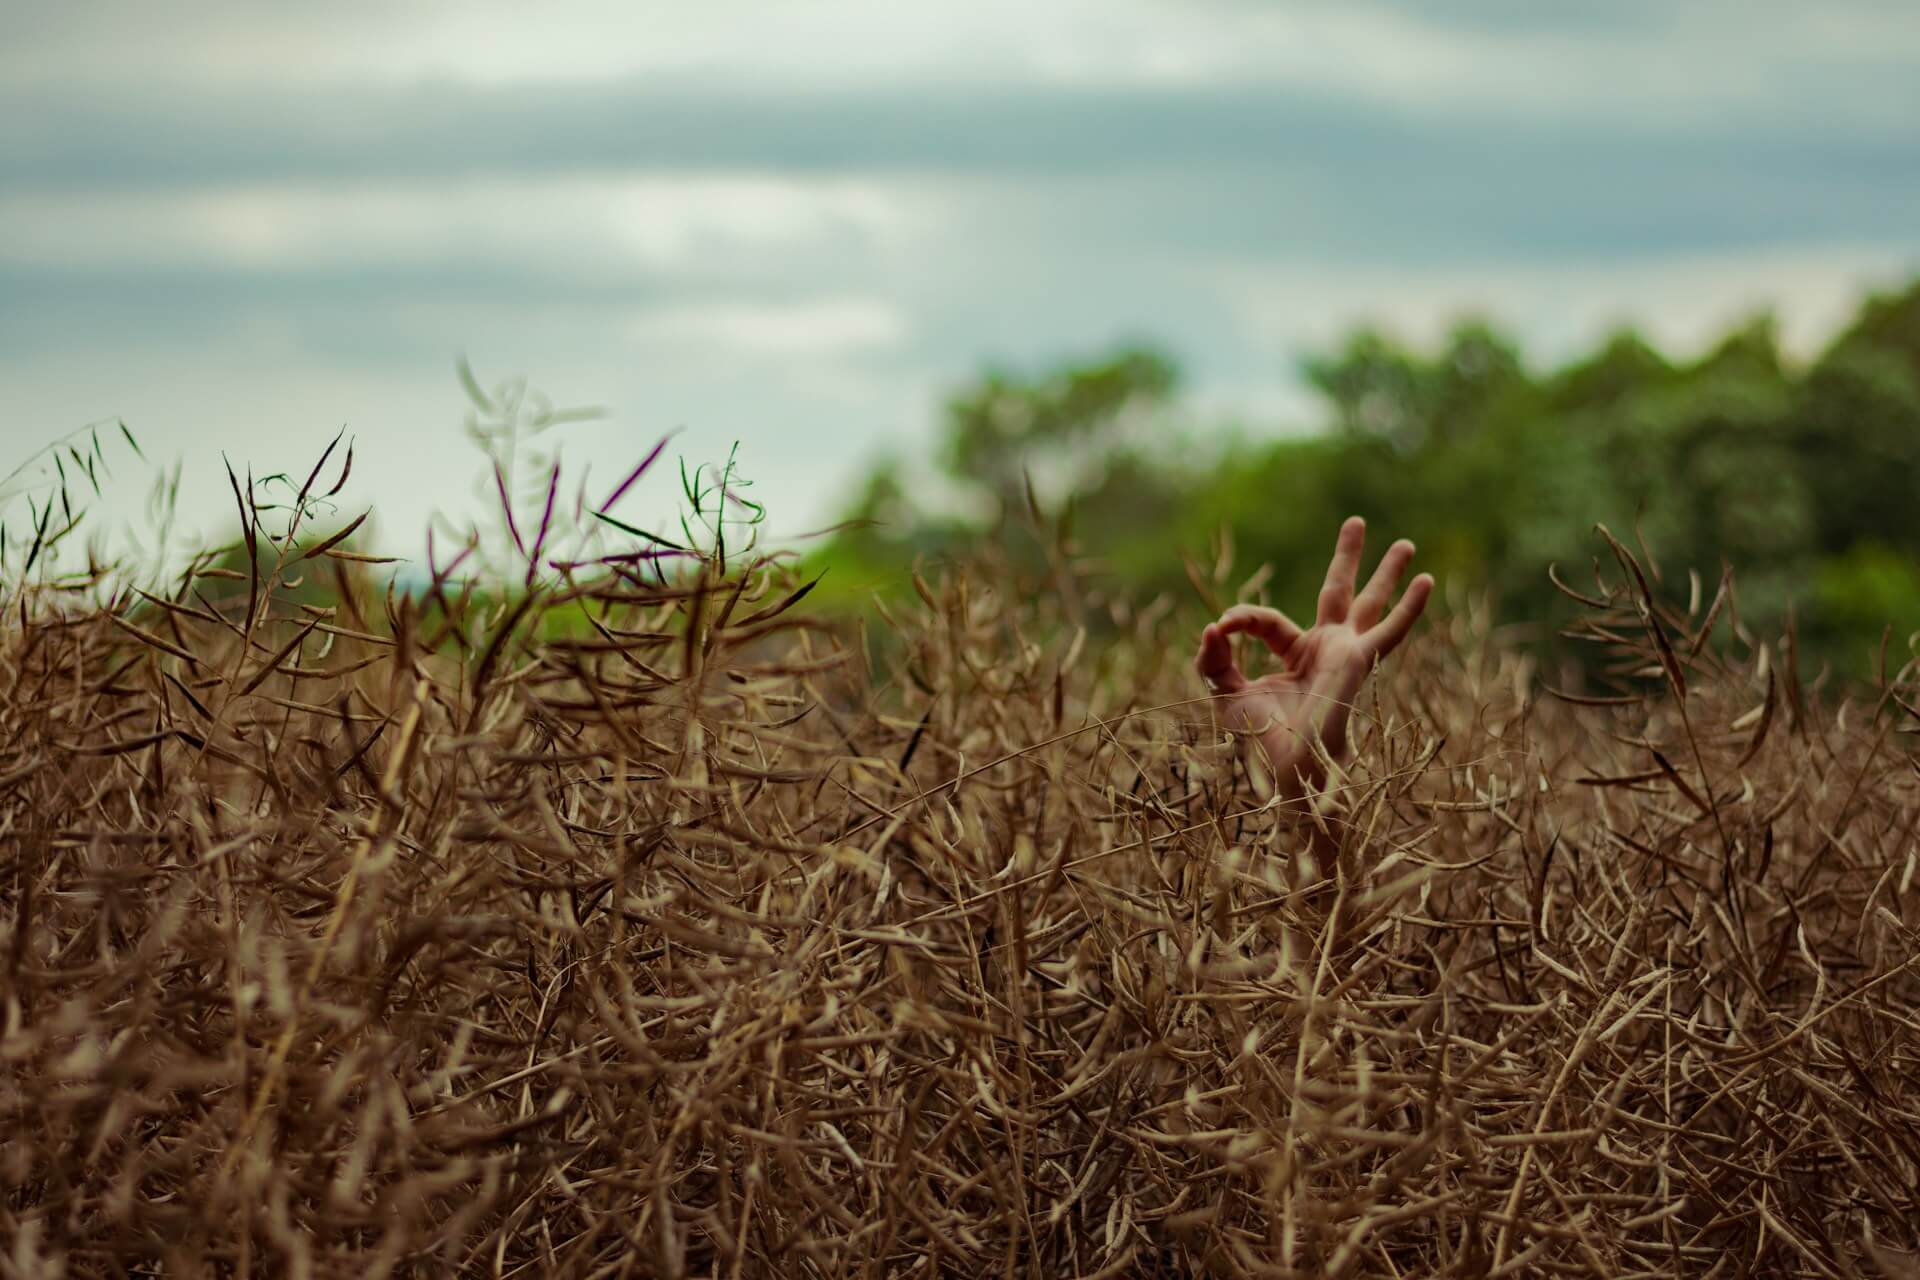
679	935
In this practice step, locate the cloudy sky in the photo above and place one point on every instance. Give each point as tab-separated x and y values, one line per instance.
240	226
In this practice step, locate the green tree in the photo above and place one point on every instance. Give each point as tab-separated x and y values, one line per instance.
1060	423
1804	478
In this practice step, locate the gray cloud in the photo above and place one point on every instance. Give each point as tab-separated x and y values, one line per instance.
1226	174
451	131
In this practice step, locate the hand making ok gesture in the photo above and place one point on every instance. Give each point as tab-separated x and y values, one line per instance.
1325	665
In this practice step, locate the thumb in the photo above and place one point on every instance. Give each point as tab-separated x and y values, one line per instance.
1215	661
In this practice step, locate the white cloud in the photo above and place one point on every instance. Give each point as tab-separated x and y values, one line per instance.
1663	63
656	221
1682	302
802	425
813	328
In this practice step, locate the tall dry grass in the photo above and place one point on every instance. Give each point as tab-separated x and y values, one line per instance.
636	927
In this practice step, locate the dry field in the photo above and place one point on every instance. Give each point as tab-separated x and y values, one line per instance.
646	927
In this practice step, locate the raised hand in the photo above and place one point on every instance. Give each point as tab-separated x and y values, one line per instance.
1308	702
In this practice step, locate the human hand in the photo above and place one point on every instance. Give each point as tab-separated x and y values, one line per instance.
1310	701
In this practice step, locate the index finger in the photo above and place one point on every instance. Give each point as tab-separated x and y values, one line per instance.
1272	626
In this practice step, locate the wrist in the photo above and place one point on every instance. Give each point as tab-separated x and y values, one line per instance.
1294	763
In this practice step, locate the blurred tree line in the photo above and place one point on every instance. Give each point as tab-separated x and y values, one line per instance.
1802	475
